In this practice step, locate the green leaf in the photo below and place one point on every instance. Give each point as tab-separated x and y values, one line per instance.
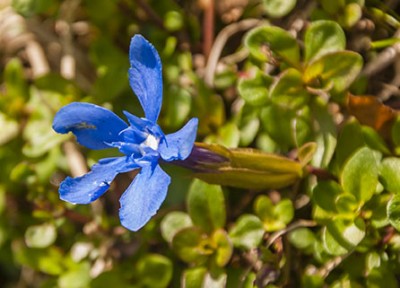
390	175
247	232
225	79
80	250
284	211
224	249
331	7
254	90
265	143
228	136
274	217
278	8
249	281
39	138
54	83
306	152
326	135
78	277
277	121
378	207
9	129
350	140
341	236
194	277
209	108
40	236
395	133
206	205
288	128
334	71
264	208
288	91
113	278
302	238
323	37
17	90
378	276
192	245
281	42
374	140
373	260
347	204
345	282
38	135
325	194
248	131
50	260
352	14
176	107
111	67
360	174
393	211
312	281
173	20
302	126
215	281
173	223
151	265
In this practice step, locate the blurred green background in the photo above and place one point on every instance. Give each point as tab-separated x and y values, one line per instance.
315	81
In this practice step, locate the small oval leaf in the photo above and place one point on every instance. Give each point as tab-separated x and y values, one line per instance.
323	37
40	236
281	43
173	223
247	232
206	205
393	211
360	174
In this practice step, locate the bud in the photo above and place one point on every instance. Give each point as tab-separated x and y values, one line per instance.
241	167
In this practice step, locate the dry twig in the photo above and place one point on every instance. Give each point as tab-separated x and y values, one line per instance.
220	42
383	60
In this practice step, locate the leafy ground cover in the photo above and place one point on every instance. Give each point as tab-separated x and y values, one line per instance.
294	180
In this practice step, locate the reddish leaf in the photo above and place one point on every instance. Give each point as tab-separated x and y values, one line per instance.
371	112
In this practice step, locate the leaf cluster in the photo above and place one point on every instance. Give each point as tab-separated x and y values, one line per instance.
292	94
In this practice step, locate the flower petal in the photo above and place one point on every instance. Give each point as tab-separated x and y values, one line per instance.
92	125
89	187
144	125
178	145
145	76
143	197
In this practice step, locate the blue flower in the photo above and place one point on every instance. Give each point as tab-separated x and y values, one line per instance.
142	142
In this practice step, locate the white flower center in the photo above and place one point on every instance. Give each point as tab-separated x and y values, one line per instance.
151	142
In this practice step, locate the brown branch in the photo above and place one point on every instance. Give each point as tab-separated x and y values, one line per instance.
208	27
330	265
391	88
75	159
383	60
300	223
37	58
46	36
68	63
321	173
